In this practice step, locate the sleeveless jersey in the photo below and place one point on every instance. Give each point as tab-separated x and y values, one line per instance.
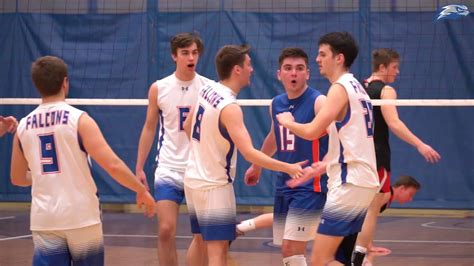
351	155
381	135
175	99
212	158
64	195
291	148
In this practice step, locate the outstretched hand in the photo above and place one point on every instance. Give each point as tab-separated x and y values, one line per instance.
296	169
252	175
316	169
429	153
146	201
8	124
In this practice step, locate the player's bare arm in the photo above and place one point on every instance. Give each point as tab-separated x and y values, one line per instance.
98	148
19	166
399	128
232	118
253	173
148	133
333	109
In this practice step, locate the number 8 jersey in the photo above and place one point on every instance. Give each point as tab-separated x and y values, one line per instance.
63	191
351	153
213	155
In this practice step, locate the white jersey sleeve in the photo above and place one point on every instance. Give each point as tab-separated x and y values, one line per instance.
351	154
64	195
212	159
175	99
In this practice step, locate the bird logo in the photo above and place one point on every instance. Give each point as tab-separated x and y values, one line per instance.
453	12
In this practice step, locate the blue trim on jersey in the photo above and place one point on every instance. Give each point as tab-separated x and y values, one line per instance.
81	144
343	164
228	157
161	138
347	117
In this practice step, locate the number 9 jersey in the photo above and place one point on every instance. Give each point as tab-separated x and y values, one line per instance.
351	153
63	191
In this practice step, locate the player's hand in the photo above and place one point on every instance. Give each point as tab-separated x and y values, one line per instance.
295	170
9	122
140	174
252	175
146	201
429	153
316	169
285	118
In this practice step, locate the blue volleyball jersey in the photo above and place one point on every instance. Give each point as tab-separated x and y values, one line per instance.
291	148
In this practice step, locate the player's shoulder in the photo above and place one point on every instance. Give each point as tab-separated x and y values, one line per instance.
202	79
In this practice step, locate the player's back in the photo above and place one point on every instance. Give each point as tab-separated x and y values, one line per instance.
351	152
212	158
63	191
175	99
291	148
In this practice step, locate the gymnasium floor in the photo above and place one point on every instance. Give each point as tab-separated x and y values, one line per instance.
415	239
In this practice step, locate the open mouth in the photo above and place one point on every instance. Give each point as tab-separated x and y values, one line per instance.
293	81
190	65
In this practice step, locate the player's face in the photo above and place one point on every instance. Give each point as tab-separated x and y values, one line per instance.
406	194
393	69
326	60
246	71
293	74
186	59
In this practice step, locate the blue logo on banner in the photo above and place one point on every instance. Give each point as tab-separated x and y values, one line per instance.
452	12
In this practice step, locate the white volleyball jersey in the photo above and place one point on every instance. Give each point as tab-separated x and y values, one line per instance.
213	155
64	195
175	99
351	154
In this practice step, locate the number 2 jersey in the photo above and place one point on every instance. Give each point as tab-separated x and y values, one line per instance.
64	195
213	154
293	149
351	155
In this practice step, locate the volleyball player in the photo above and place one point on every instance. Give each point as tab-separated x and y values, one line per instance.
169	102
351	166
217	130
296	210
385	67
50	152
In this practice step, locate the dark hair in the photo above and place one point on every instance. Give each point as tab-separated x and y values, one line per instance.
48	74
229	56
383	56
407	181
184	40
292	52
341	43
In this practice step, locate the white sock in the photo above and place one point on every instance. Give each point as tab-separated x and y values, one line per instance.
360	249
246	226
295	260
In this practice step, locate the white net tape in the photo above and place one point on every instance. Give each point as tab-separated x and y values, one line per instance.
242	102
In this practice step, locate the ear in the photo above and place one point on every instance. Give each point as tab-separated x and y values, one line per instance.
340	58
174	57
278	74
307	74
